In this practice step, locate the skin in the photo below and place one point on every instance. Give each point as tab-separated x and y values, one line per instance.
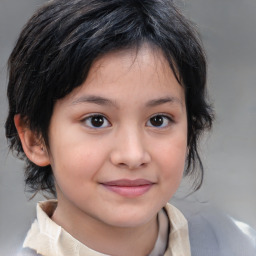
126	90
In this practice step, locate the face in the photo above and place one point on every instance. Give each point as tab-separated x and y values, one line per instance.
117	144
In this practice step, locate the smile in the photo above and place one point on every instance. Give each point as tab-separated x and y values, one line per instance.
129	188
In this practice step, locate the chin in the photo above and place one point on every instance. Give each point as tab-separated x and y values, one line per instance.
131	220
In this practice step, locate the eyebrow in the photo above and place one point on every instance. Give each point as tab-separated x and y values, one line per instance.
94	99
107	102
160	101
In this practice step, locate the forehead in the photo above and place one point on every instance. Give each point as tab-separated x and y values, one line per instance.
143	72
122	63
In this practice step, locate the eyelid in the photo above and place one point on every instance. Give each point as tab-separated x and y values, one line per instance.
168	116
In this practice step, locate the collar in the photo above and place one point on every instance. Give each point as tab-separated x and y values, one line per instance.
48	238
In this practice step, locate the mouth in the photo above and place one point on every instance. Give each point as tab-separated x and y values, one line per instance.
129	188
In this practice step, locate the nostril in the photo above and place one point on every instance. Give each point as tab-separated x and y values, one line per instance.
132	166
122	165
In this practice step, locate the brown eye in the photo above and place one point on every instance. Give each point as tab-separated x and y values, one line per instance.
159	121
96	121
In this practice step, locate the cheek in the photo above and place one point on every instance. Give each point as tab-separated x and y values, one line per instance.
74	168
171	161
75	164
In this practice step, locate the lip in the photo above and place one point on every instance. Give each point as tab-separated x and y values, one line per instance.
129	188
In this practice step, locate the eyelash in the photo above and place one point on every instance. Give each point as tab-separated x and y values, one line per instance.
102	119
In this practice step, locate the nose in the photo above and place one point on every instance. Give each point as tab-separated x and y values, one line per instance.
129	150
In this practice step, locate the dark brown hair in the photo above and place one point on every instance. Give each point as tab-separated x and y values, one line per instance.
58	45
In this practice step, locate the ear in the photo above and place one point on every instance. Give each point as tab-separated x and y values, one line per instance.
33	146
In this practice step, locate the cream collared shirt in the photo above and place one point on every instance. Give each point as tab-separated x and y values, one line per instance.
49	239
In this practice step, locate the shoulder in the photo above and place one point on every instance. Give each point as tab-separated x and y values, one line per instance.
28	252
211	233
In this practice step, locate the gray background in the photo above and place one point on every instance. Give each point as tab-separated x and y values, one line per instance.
228	29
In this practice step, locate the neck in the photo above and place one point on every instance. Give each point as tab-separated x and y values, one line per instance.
101	237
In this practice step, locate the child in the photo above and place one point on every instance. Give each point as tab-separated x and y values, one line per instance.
107	104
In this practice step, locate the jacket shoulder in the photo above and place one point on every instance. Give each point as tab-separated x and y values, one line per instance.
28	252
